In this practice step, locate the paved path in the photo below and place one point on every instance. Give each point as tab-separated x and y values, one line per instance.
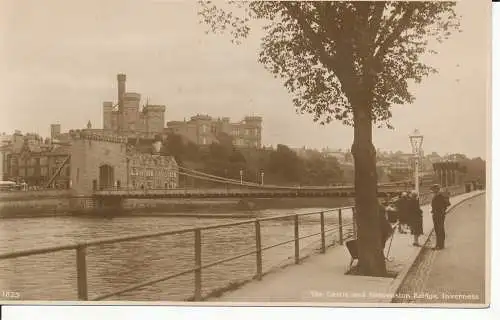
457	273
322	279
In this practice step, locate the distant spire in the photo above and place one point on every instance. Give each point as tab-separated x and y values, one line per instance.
89	125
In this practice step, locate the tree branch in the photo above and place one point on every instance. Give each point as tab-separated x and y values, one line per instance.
396	33
317	44
376	19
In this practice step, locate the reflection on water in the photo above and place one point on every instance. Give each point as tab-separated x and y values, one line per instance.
114	266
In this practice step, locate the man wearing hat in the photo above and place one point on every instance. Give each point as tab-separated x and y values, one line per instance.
439	204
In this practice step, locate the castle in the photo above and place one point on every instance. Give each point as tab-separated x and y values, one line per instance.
126	117
205	130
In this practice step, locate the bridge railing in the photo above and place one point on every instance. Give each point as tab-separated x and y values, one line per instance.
245	187
345	228
402	183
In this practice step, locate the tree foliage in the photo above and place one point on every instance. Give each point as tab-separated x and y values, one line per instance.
324	51
281	165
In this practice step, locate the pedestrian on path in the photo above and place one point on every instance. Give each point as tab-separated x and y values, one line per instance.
402	207
415	218
391	211
385	227
439	204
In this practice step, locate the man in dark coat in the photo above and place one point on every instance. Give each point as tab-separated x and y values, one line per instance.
439	204
415	217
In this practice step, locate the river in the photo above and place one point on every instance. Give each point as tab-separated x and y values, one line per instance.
112	267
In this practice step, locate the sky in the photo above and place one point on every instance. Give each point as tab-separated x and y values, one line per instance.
59	60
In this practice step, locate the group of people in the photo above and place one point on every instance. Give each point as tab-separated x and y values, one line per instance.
407	213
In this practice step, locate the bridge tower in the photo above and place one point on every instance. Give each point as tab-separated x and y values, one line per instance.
97	161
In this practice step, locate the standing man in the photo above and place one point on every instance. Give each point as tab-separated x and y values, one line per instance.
439	205
415	217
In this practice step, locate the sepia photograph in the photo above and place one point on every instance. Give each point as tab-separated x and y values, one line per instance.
231	153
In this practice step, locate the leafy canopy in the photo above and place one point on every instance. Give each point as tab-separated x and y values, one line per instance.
329	54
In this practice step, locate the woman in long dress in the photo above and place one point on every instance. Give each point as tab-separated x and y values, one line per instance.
415	218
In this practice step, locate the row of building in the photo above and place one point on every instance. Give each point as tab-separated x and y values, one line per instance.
53	164
392	166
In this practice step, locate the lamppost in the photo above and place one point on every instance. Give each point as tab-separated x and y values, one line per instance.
447	164
225	175
416	140
261	177
241	176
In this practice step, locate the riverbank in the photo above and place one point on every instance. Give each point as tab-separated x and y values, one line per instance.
65	206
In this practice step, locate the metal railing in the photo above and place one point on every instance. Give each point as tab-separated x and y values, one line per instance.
81	256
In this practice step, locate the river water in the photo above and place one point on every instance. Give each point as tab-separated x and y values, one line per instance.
112	267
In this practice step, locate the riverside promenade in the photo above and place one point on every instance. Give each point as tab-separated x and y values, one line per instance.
456	274
321	279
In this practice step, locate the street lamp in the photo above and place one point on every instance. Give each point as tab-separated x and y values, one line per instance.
225	176
416	140
446	166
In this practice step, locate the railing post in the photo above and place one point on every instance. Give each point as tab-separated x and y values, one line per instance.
258	248
341	230
296	233
323	245
197	261
81	272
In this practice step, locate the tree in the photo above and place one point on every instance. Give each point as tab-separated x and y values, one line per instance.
174	146
321	171
349	61
474	169
286	163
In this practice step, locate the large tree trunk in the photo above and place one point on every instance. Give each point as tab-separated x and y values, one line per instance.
370	250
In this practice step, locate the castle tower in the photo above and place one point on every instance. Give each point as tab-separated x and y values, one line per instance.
107	116
55	131
154	116
122	79
253	131
130	112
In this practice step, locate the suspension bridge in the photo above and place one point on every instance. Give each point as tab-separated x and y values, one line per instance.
223	187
